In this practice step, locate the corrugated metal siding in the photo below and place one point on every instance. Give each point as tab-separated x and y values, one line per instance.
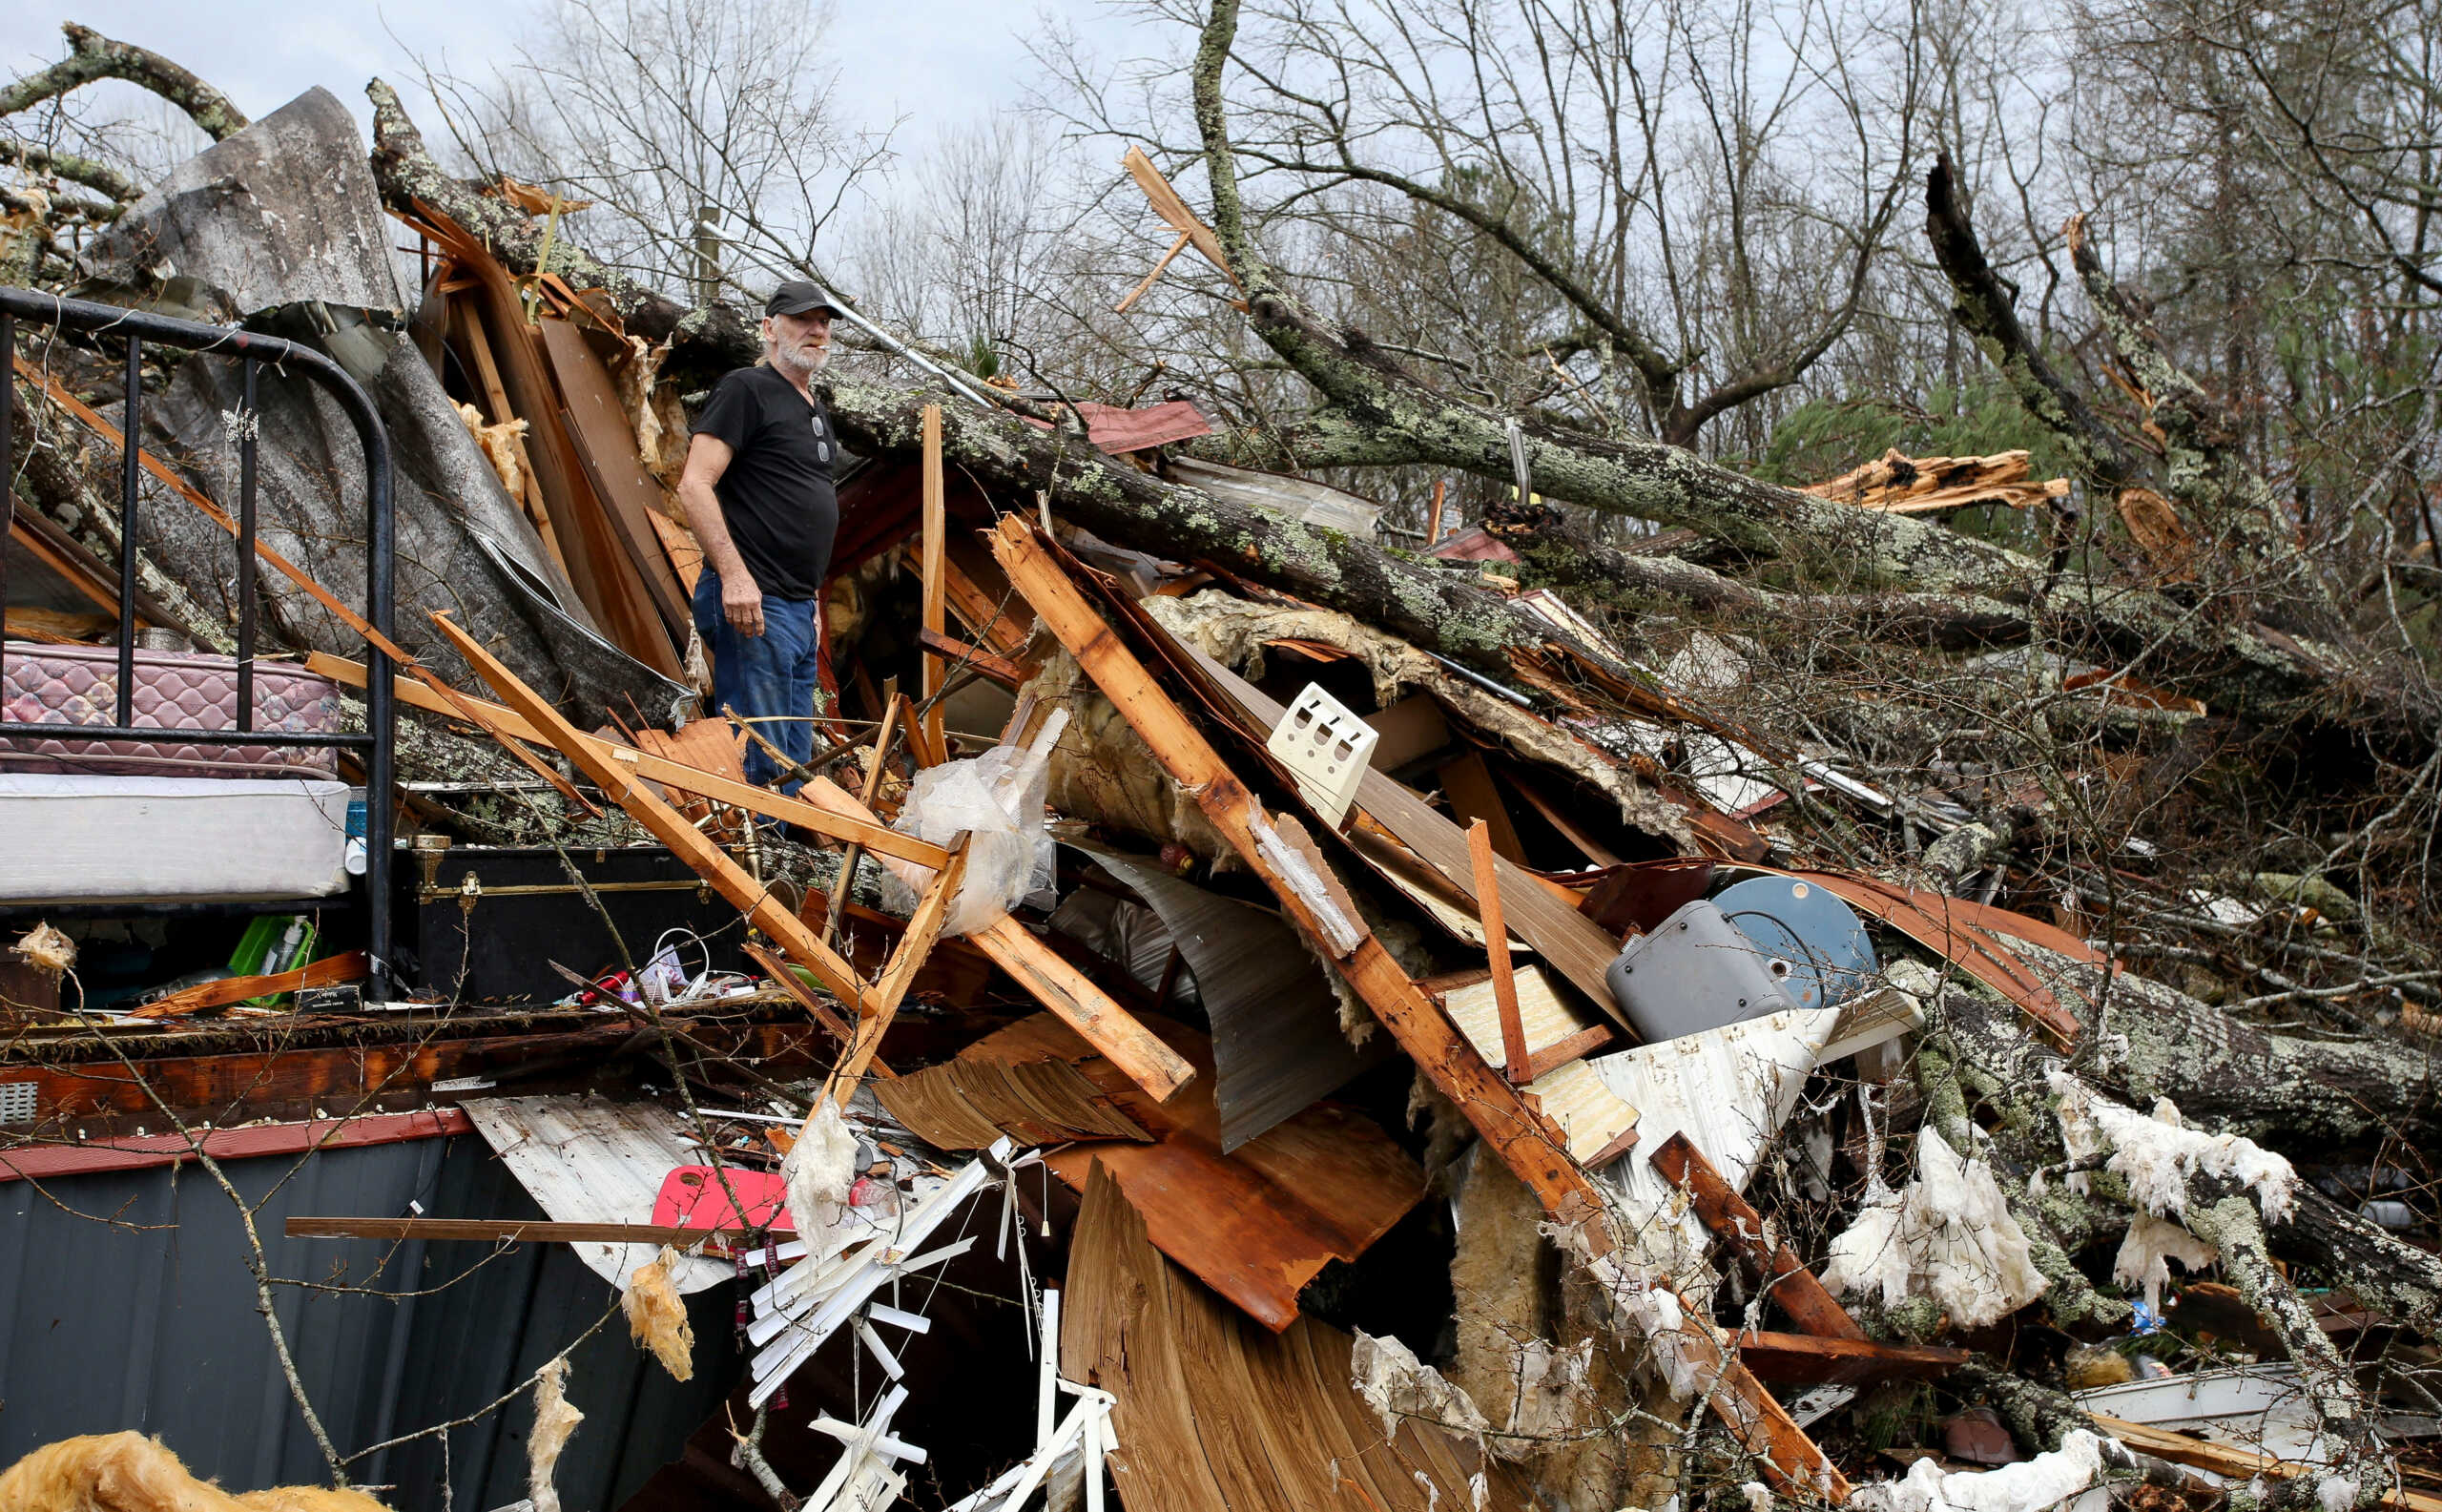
125	1302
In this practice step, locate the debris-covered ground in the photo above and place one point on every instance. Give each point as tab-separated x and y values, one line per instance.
1815	1007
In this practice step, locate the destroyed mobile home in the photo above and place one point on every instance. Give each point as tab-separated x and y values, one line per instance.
1233	1015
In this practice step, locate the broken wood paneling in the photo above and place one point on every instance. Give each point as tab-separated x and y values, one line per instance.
1574	944
602	440
1255	1226
969	1103
1572	1095
1528	1142
1216	1416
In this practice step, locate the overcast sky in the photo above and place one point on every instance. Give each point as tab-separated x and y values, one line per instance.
932	60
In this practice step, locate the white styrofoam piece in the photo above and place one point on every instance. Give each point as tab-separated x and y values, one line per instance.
1327	747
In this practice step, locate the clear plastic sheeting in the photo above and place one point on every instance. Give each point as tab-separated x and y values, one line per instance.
997	800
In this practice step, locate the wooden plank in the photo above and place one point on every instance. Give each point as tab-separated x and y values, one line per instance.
936	537
1810	1359
1515	1055
1069	993
1777	1267
350	965
501	1231
1055	983
979	595
875	770
2229	1459
915	943
1575	1047
666	823
605	444
1572	943
998	668
1513	1129
832	822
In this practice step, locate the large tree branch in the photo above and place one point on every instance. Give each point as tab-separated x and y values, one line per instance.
2203	472
1986	306
94	56
90	171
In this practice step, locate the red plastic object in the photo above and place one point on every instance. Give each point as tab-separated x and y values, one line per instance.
691	1197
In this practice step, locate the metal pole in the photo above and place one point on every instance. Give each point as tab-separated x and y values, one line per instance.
381	715
7	464
130	433
246	549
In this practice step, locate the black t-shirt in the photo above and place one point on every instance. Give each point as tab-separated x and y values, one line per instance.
777	496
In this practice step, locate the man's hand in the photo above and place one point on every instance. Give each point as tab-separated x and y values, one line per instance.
742	603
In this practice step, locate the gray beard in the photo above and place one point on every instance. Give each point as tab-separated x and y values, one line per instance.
798	369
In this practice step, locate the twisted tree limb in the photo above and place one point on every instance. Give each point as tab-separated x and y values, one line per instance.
94	56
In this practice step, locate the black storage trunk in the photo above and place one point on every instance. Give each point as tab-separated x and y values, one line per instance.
491	919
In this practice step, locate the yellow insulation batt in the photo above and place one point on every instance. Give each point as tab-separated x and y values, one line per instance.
127	1472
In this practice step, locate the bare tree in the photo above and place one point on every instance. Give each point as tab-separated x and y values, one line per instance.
702	137
1693	198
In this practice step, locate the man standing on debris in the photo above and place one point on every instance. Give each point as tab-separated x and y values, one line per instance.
758	492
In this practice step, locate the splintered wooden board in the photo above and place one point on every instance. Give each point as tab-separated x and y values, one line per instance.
1257	1225
1573	1095
606	449
1214	1415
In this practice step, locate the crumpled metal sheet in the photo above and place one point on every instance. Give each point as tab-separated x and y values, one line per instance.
1276	1042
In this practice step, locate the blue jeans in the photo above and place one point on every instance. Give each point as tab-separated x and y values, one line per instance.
768	677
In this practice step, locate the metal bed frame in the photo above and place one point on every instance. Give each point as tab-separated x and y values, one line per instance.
104	322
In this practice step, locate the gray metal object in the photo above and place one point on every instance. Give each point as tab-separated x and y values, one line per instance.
1696	972
1810	939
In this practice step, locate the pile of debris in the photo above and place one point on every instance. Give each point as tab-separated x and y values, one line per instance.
1275	1022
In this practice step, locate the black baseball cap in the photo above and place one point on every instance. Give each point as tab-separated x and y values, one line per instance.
797	297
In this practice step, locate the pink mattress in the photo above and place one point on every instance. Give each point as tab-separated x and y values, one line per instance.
174	690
